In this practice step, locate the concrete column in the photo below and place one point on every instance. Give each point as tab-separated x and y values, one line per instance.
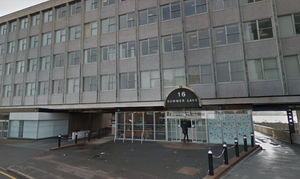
298	124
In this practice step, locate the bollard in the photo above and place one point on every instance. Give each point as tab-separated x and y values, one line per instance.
245	144
76	138
252	139
59	141
225	154
210	163
89	136
237	150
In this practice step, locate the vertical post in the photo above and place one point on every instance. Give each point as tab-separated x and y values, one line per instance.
237	150
245	144
210	163
59	141
225	154
76	136
252	139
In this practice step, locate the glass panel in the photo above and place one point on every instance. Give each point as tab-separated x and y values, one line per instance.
194	75
255	70
160	131
138	125
219	36
271	69
286	26
148	125
292	67
128	125
120	127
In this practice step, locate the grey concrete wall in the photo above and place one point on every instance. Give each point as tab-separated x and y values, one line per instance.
273	47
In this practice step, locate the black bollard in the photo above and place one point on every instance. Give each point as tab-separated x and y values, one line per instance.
252	139
245	144
225	154
76	138
237	150
89	136
210	163
59	141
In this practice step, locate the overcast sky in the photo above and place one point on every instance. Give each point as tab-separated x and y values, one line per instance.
9	6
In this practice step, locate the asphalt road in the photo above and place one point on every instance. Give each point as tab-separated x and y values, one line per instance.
277	160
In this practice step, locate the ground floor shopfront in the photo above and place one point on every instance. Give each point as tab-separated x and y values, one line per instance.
203	126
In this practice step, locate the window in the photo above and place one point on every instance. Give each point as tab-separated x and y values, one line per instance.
107	2
1	69
108	53
174	77
35	19
148	16
263	69
127	21
12	26
149	46
90	83
59	60
2	49
6	91
20	66
150	79
192	7
127	50
249	1
226	34
91	5
61	12
230	71
24	23
46	39
222	4
258	29
74	58
47	16
200	74
170	11
32	65
289	25
108	82
22	44
75	8
73	85
91	29
198	39
90	55
11	47
8	68
108	25
3	29
45	63
75	32
60	36
43	87
34	41
127	80
172	42
58	86
30	89
292	67
18	90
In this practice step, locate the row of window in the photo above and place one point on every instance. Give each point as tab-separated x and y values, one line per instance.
228	34
147	16
230	71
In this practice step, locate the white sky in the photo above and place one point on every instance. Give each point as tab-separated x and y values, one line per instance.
9	6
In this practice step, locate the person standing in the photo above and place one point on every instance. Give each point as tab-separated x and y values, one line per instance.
185	131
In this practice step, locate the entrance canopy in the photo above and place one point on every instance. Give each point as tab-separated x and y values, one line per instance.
182	97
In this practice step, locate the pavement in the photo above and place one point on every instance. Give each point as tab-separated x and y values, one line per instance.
277	160
105	159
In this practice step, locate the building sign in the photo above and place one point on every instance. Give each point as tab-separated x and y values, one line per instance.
182	98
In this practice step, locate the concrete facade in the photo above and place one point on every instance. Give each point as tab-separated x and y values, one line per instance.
276	47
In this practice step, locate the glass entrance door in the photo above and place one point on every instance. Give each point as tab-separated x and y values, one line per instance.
198	131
